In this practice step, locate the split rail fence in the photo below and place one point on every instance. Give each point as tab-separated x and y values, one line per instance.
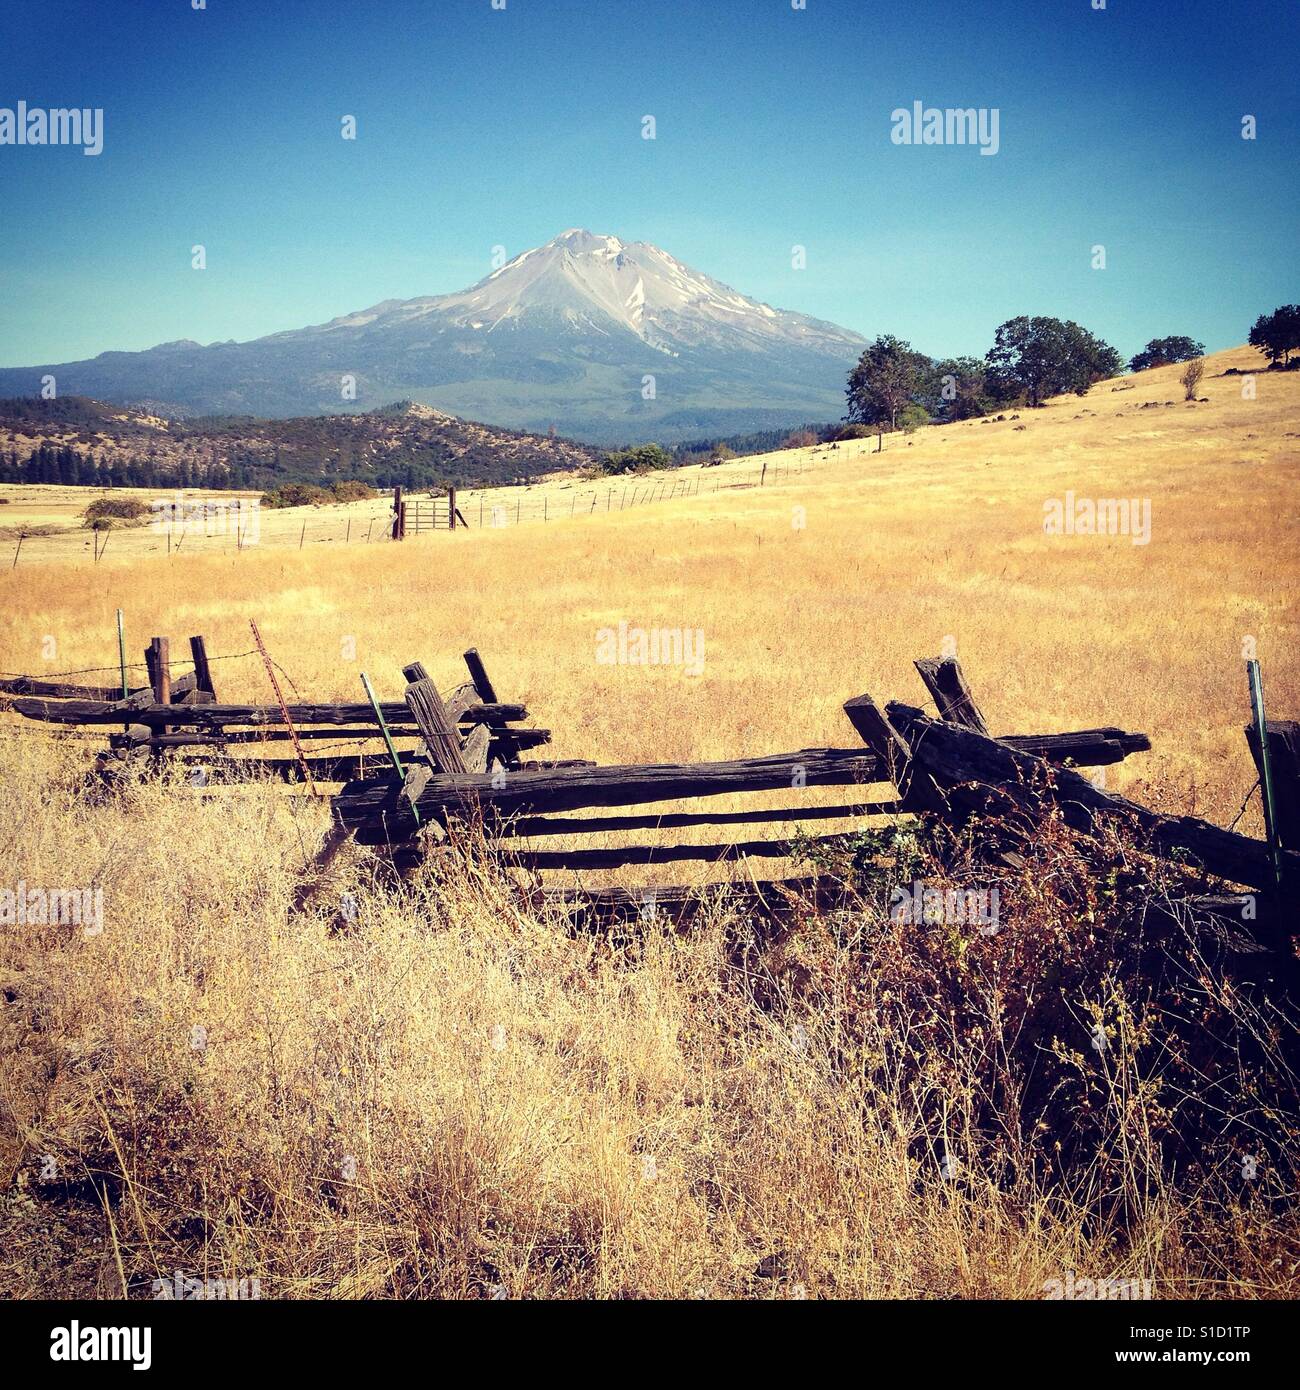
463	768
183	720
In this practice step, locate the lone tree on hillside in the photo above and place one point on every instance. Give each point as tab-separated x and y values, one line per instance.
104	513
1278	333
887	376
1164	352
1191	377
1038	357
640	458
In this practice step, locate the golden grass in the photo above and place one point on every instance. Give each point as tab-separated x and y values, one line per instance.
525	1112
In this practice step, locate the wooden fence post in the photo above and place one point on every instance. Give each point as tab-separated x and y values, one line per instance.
946	682
916	789
1284	758
1283	764
451	509
202	671
506	746
399	515
429	712
157	658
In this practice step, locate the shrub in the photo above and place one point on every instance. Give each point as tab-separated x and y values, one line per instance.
297	495
1191	377
640	458
853	431
911	417
351	490
800	439
106	512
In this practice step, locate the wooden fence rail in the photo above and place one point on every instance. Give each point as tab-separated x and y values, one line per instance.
181	718
464	770
217	716
372	808
950	767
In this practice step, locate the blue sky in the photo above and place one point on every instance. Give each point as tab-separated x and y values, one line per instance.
478	127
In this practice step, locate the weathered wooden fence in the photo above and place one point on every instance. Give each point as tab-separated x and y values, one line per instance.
182	719
461	770
906	763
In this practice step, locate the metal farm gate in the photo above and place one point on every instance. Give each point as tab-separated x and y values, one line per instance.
412	515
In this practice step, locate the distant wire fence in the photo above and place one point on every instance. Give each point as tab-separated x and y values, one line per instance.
232	529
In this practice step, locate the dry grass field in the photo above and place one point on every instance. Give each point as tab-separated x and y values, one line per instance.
201	521
459	1099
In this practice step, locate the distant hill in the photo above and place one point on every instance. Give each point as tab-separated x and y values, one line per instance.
566	334
73	439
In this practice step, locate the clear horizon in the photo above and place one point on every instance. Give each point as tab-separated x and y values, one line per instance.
479	128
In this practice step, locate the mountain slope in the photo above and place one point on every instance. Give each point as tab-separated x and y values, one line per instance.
406	443
562	335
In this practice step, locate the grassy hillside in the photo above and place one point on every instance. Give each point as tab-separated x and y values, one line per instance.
406	444
459	1098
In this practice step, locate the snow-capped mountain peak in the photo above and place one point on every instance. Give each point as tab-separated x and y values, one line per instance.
570	333
602	283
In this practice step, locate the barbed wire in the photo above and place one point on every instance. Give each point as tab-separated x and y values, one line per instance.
1244	804
140	666
532	510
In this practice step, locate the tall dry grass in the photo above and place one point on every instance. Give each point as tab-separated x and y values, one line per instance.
459	1098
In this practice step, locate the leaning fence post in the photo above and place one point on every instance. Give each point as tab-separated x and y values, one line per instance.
486	691
947	684
202	671
916	789
388	740
1256	683
430	714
